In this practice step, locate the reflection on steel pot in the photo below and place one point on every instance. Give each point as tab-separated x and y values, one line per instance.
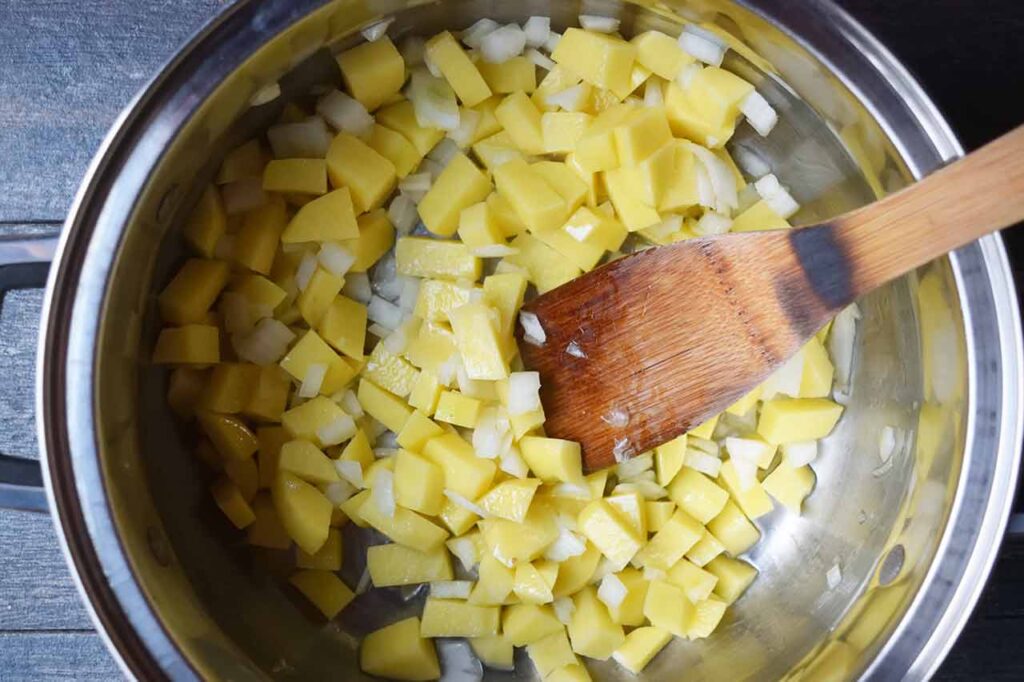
876	578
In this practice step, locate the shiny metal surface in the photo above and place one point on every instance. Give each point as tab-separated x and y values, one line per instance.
939	355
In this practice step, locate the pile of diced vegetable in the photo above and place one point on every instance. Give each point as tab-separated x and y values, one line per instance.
343	371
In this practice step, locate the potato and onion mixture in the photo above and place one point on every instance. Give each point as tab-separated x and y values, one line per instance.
346	366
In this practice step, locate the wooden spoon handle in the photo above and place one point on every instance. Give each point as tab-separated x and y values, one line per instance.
978	194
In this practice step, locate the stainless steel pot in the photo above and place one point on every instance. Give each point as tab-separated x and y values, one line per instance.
938	357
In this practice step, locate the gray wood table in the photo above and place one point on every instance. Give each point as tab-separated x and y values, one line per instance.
68	67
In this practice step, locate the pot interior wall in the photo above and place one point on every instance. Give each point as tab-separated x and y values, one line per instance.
226	606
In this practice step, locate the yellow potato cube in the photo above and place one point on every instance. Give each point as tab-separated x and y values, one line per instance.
395	148
488	124
631	210
385	407
788	420
523	624
707	617
313	301
232	502
505	292
229	387
433	346
457	519
185	391
658	513
395	564
553	460
475	326
191	344
306	420
605	61
520	118
406	527
460	185
305	460
668	460
269	396
510	499
270	439
576	672
537	203
610	532
551	652
526	423
667	608
256	241
245	161
546	267
373	72
352	506
343	326
790	485
494	584
391	372
313	350
655	177
532	586
425	394
753	501
494	652
464	472
575	572
327	218
418	429
369	176
398	652
681	191
561	130
641	134
743	406
496	150
697	495
419	483
245	474
660	54
207	223
731	528
302	176
631	507
324	589
457	618
705	550
516	74
358	450
437	297
258	291
230	436
479	227
327	558
401	117
596	149
425	257
266	530
669	544
188	297
305	512
513	543
558	80
695	581
466	80
376	237
631	611
706	112
455	408
641	645
758	217
816	381
707	429
591	629
563	180
593	229
734	577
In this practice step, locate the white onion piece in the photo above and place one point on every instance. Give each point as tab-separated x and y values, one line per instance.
786	379
523	392
446	149
335	258
746	472
705	190
702	44
337	431
636	466
834	577
606	567
350	403
307	139
338	492
841	344
564	607
565	546
612	591
345	113
384	453
494	251
800	453
304	273
431	66
464	550
686	74
621	449
648	489
617	417
750	450
599	24
513	464
759	113
383	492
412	49
357	287
402	214
268	93
410	292
384	313
492	435
575	491
552	42
415	185
447	371
537	30
532	329
653	94
265	344
706	464
573	349
540	59
472	36
451	589
243	195
312	380
502	44
433	101
351	471
651	574
712	223
776	196
466	504
723	183
569	99
377	30
462	136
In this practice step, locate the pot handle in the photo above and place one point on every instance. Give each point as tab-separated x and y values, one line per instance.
24	264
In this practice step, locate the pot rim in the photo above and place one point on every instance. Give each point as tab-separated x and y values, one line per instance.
79	277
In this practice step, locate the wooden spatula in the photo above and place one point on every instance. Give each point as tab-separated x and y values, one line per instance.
673	335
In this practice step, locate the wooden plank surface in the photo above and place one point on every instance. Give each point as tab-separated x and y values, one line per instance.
68	67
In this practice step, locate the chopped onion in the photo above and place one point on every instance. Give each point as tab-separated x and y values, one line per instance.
350	403
800	453
373	429
431	66
570	99
523	392
307	139
751	450
338	492
513	464
747	197
445	150
841	344
357	287
492	435
759	113
312	380
307	266
776	196
410	293
575	491
540	59
416	185
612	591
464	550
702	444
335	258
451	589
702	44
564	607
473	35
746	472
834	577
890	442
532	330
364	581
651	574
462	136
465	503
502	44
606	567
243	195
383	492
377	30
649	490
702	462
337	431
617	417
712	223
635	466
621	449
351	471
384	453
574	350
402	214
493	251
268	93
786	379
448	371
433	101
265	344
599	24
537	29
685	76
653	94
565	546
345	113
552	42
384	313
412	50
723	183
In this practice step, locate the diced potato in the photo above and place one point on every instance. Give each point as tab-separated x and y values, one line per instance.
476	329
424	257
547	267
660	54
228	388
605	61
373	72
185	390
447	55
269	396
494	652
391	372
631	210
742	406
245	474
230	436
376	237
245	161
331	217
575	572
707	617
457	519
640	646
667	607
697	495
553	460
302	176
311	349
369	176
419	483
736	533
396	564
706	549
352	508
460	185
270	439
682	191
594	228
401	118
257	239
308	419
758	217
510	499
596	149
313	301
495	582
523	624
753	501
405	527
695	581
551	652
327	558
395	148
532	586
669	544
418	429
457	618
561	130
631	611
385	407
512	542
229	498
192	344
324	589
790	486
478	227
455	408
658	513
516	74
734	577
557	80
465	473
488	124
207	223
668	461
426	393
304	511
537	203
816	381
706	429
591	629
610	532
437	297
305	460
643	132
563	180
398	652
343	326
496	150
188	297
505	292
521	120
632	508
788	420
266	530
